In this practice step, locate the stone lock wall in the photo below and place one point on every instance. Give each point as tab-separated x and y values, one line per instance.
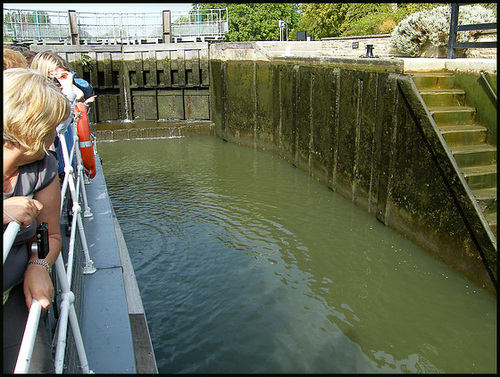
349	124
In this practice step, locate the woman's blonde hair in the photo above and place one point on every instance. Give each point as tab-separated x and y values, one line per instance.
32	108
47	61
13	59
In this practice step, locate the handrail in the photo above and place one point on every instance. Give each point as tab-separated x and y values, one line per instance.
67	311
28	342
8	237
483	75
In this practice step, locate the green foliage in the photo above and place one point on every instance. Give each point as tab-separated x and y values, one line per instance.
433	27
322	20
86	61
255	21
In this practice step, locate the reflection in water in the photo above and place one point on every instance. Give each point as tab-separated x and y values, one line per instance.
245	264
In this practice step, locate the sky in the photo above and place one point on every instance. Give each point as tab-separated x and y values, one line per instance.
102	7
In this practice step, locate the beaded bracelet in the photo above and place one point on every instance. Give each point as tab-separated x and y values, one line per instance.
41	263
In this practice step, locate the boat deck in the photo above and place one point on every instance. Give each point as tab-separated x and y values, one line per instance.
113	323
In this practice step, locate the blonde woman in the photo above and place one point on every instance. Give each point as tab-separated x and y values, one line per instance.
33	107
54	67
13	59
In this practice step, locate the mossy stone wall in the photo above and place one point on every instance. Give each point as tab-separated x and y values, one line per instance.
351	126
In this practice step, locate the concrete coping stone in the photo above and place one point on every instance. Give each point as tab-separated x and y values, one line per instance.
464	65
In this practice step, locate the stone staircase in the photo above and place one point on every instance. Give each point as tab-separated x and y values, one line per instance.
465	138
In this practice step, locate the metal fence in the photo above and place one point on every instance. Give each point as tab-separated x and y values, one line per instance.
200	25
54	27
119	27
455	28
21	25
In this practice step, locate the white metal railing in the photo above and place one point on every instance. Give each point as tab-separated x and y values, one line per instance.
35	25
64	276
120	27
200	23
23	25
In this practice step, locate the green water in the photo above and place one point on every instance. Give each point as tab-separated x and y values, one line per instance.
246	264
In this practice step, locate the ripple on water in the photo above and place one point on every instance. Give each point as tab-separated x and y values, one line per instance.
247	265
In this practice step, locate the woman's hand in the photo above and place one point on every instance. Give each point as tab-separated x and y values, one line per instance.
22	208
38	285
37	282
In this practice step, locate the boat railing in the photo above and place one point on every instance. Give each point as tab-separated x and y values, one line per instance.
67	312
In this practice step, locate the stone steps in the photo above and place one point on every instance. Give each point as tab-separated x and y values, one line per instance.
480	177
487	199
453	114
434	80
491	218
443	97
474	155
456	121
463	134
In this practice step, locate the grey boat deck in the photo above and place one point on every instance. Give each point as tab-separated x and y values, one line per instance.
113	325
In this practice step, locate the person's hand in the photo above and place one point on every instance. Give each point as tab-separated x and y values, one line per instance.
90	99
38	285
22	208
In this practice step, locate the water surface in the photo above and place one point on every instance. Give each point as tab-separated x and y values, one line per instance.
246	264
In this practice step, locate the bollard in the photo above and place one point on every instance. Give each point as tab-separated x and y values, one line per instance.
369	52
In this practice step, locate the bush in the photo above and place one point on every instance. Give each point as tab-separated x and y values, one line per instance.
433	27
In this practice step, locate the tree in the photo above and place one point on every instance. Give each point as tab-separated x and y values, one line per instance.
343	19
323	19
255	21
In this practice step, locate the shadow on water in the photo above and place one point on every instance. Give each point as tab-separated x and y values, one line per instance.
245	264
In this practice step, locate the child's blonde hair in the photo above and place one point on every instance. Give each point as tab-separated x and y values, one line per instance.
47	61
32	108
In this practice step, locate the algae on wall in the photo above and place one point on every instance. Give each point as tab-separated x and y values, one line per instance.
350	126
480	97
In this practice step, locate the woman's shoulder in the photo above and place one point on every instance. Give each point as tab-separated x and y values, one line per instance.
37	175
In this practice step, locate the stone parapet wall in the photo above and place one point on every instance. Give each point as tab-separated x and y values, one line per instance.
355	46
484	53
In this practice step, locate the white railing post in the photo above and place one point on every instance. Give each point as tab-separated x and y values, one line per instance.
89	264
68	311
28	342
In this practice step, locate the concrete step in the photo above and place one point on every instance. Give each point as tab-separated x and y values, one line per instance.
480	177
487	199
453	115
474	155
491	218
443	97
464	134
434	80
